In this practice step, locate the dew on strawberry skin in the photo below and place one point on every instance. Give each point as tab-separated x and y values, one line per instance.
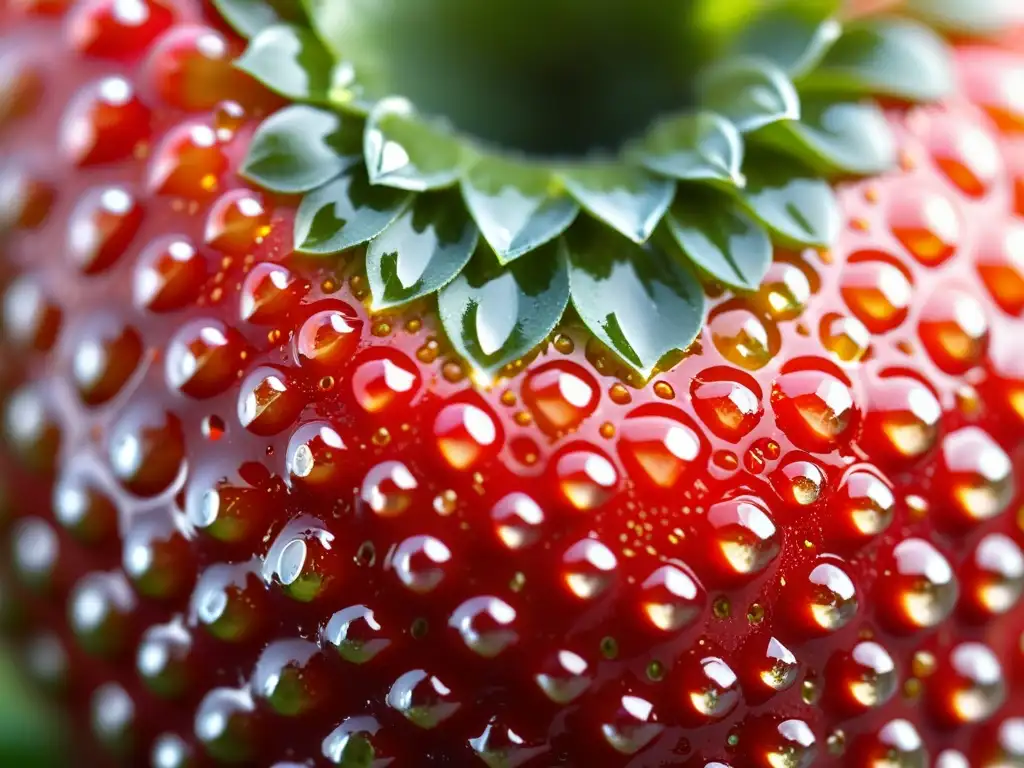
920	588
709	690
304	560
785	291
99	613
727	401
742	338
498	744
388	489
971	687
289	677
993	577
82	503
237	222
773	669
773	743
743	539
157	557
954	330
588	569
230	507
845	337
146	450
31	318
317	458
999	260
100	228
877	292
229	602
113	717
977	477
864	507
117	29
564	676
815	409
584	478
902	422
269	292
420	563
486	624
384	381
466	435
169	275
897	743
662	448
26	196
326	341
187	164
268	401
107	353
356	741
671	598
827	601
862	679
633	725
927	224
162	659
422	699
560	395
105	122
518	521
356	635
226	724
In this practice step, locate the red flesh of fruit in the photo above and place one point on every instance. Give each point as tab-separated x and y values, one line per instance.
274	520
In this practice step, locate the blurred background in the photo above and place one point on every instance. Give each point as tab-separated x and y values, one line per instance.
31	733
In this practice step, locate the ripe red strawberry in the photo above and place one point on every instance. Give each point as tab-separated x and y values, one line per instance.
251	521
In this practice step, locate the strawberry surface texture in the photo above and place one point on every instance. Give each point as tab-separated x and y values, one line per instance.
248	521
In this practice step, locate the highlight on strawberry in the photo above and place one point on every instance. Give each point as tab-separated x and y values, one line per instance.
515	384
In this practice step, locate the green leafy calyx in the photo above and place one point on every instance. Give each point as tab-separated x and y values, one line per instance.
507	241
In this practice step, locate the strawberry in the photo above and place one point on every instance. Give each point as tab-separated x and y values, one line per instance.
711	456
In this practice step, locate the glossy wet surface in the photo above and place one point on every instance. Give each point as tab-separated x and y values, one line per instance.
246	521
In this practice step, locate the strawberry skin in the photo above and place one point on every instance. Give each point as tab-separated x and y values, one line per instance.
249	522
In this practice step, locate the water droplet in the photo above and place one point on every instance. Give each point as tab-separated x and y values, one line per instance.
661	448
584	478
744	540
814	409
485	624
877	291
422	698
356	634
560	395
420	563
920	588
588	568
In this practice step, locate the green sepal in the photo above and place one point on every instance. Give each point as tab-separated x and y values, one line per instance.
518	207
720	238
346	212
494	314
836	137
793	36
885	57
626	198
290	61
693	147
406	152
300	148
972	17
749	92
636	299
248	17
421	251
796	205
